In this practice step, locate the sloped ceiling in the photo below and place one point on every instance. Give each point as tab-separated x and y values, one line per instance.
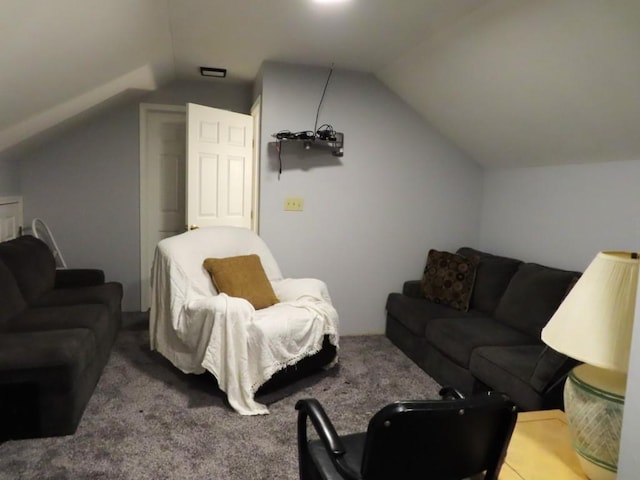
531	82
511	82
61	57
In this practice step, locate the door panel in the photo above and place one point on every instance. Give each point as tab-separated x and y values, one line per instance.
236	186
219	167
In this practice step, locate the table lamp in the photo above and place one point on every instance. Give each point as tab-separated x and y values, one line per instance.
594	325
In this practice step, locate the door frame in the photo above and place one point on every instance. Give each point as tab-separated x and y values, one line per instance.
8	203
256	113
146	110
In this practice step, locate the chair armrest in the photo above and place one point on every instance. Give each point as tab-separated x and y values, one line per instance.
413	288
292	289
311	408
78	277
450	393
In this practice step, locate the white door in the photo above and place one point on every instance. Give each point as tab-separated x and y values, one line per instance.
219	167
10	217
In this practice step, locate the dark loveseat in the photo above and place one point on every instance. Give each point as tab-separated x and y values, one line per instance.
57	328
496	344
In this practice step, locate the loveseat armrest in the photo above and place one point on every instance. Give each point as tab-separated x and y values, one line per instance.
551	370
78	277
46	378
23	353
413	288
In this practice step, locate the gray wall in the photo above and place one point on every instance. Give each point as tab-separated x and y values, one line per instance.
370	217
85	183
629	464
563	216
9	177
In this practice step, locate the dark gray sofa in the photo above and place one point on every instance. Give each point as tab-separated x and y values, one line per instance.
57	328
496	344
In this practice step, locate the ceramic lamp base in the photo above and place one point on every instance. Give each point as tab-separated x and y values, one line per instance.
593	402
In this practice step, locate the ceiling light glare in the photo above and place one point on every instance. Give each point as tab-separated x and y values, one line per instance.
330	1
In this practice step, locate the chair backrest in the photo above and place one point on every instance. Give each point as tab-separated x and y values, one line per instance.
439	439
187	252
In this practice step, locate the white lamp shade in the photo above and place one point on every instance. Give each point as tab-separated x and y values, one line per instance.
594	322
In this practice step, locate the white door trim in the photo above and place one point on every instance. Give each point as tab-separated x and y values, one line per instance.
256	113
10	205
10	199
145	110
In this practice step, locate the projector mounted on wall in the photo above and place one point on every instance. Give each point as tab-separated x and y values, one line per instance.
325	137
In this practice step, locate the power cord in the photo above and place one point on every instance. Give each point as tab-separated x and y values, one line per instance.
315	125
325	132
279	158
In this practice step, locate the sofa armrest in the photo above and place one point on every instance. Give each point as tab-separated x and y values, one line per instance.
413	288
24	352
551	369
78	277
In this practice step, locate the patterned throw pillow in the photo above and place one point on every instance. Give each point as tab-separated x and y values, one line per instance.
244	277
448	279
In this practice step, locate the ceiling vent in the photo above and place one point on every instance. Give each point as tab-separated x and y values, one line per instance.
213	72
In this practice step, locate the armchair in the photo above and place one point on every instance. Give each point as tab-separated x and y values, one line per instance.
200	329
445	439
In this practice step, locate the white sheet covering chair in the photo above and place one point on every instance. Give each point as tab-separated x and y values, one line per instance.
198	329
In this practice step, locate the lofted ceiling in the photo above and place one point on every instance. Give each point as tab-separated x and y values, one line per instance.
511	82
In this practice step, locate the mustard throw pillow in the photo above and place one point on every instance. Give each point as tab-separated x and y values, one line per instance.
244	277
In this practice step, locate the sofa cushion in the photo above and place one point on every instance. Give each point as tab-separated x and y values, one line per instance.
448	279
12	301
508	369
457	337
31	263
416	313
108	294
492	277
532	297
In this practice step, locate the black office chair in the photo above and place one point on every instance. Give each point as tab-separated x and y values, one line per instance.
447	439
